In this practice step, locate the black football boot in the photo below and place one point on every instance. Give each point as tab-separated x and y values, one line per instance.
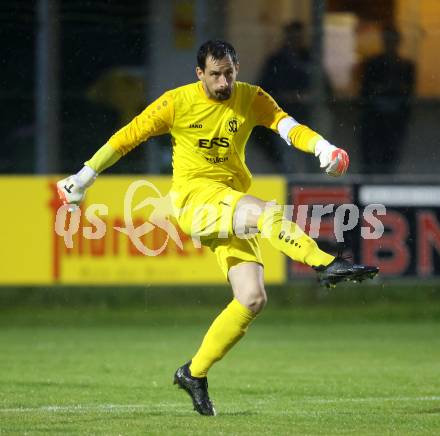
197	389
340	270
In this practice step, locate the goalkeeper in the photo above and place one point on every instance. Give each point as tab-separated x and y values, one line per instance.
209	122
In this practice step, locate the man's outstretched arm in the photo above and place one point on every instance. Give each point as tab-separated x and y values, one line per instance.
155	120
269	114
335	160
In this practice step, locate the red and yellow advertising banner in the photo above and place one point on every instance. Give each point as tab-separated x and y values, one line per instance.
408	244
33	253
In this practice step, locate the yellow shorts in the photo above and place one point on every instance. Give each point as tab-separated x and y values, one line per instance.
204	209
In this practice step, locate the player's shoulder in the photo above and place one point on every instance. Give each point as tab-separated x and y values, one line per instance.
245	87
246	91
253	92
184	95
185	90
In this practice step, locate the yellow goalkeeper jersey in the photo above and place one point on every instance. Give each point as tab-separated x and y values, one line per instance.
208	136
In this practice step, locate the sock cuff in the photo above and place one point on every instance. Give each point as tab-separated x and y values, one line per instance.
241	311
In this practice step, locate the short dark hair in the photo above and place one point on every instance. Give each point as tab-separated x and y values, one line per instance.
217	49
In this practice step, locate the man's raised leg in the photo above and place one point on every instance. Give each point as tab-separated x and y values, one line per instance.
289	238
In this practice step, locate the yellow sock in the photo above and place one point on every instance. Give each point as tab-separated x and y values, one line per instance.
226	330
290	239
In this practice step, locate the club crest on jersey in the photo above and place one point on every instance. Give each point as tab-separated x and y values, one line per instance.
232	125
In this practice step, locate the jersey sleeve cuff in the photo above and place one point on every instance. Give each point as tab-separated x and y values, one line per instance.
285	125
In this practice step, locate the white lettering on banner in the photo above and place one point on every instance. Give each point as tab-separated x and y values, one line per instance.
205	219
405	196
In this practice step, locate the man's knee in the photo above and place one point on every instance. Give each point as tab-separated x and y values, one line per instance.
247	283
258	302
254	298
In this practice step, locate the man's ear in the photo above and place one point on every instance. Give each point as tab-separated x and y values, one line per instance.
199	72
237	67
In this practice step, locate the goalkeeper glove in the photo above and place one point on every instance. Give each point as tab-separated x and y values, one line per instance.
334	160
72	189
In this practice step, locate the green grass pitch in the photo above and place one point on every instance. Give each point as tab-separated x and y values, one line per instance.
309	371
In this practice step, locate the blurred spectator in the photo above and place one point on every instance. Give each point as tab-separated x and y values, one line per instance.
387	88
286	75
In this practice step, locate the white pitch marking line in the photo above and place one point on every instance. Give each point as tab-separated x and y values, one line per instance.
364	400
134	407
87	408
